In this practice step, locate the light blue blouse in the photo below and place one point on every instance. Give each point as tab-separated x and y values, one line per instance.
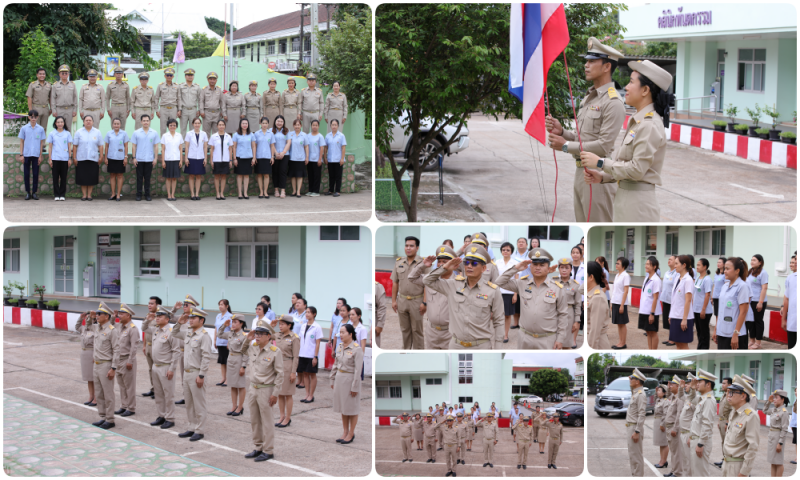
61	142
335	144
88	143
116	144
315	143
280	141
297	150
263	143
244	147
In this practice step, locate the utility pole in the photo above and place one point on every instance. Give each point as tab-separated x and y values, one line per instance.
231	43
314	31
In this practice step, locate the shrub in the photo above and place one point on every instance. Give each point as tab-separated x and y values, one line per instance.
788	135
754	114
762	131
772	112
719	123
741	127
13	300
53	303
384	172
731	112
32	301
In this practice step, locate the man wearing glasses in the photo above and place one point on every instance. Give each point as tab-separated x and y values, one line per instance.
31	146
168	100
741	440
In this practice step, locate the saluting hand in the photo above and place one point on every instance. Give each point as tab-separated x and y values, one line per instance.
428	261
523	265
452	264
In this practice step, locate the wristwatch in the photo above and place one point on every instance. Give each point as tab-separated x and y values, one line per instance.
113	368
600	162
425	303
202	376
565	147
636	431
700	445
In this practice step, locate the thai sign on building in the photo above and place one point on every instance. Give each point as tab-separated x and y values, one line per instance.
680	19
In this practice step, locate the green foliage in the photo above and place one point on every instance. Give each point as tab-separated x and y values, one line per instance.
742	127
516	398
39	290
53	303
32	301
8	290
18	286
383	172
719	123
597	366
218	26
731	112
565	372
13	301
35	51
787	135
762	131
772	112
661	49
360	11
754	114
547	382
198	45
645	361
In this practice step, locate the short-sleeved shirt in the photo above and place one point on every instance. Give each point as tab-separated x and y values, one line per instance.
701	287
730	297
221	147
755	283
280	141
682	287
501	269
88	143
145	144
719	280
194	145
362	333
33	137
621	280
61	142
666	286
608	293
263	143
220	321
309	334
336	324
299	320
244	145
791	294
172	146
315	143
651	287
297	151
335	144
116	144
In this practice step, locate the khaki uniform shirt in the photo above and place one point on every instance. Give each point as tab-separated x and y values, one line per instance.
117	93
380	305
660	410
540	420
438	308
543	308
336	102
463	432
270	100
266	366
673	415
253	100
555	428
129	341
725	409
63	95
523	431
573	290
290	99
167	95
779	417
196	349
143	97
190	96
106	338
489	429
476	313
429	429
703	419
290	348
236	341
450	435
689	406
640	158
405	427
233	106
598	319
311	100
210	99
86	331
166	347
39	93
349	359
92	97
400	274
637	410
741	439
600	118
490	274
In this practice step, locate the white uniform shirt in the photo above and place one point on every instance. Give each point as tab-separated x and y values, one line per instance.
172	146
309	334
682	287
579	275
791	294
222	152
621	280
502	267
651	287
194	149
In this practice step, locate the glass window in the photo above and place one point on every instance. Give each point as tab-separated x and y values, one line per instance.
188	252
672	241
433	381
465	376
724	370
751	69
332	233
465	400
382	386
11	254
755	368
416	391
282	47
650	241
709	241
295	44
395	389
271	48
150	252
307	43
252	252
514	375
548	233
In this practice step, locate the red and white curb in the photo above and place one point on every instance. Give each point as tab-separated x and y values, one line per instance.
389	421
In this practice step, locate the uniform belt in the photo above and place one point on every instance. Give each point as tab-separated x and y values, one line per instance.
236	354
262	385
734	459
253	107
142	108
91	109
310	111
405	436
124	356
470	344
451	444
118	104
344	371
683	430
290	106
85	348
441	328
39	105
694	437
65	106
169	106
536	335
190	370
578	164
334	108
160	364
658	416
628	424
669	425
101	361
150	343
181	349
410	297
774	429
633	186
212	110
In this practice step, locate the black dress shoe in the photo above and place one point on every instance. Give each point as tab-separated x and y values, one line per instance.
111	198
524	467
491	465
554	466
446	474
149	394
158	421
519	467
339	440
93	404
236	414
670	475
614	347
27	196
264	457
485	464
410	460
35	197
87	403
793	462
119	412
185	434
404	460
310	401
513	327
167	425
127	413
253	454
148	198
196	437
119	199
281	425
107	425
433	461
138	198
454	474
549	465
231	413
181	402
99	422
438	449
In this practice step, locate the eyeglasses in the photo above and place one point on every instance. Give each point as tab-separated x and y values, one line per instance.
473	263
168	75
190	74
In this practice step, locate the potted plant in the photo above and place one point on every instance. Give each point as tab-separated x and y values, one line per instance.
755	117
763	133
13	301
731	112
773	112
39	290
19	286
53	305
31	303
788	137
741	128
7	291
719	125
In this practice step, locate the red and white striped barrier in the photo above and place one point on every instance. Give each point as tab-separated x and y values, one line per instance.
389	421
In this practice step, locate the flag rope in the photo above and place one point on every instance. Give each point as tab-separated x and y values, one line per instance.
555	162
578	130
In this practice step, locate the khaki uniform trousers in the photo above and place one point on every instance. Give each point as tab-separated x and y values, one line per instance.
535	432
119	111
430	447
67	113
686	450
522	453
180	366
94	112
553	445
462	450
261	419
167	112
405	444
436	339
676	461
187	117
307	118
137	124
732	469
104	391
196	402
700	466
450	455
528	342
488	451
635	202
410	322
377	339
253	116
210	121
721	426
164	390
635	452
127	384
602	199
44	115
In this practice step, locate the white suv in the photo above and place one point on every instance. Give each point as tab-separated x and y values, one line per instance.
401	143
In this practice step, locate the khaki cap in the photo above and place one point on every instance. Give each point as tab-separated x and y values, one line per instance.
405	414
596	49
658	75
691	376
118	69
311	76
748	380
704	375
103	308
782	393
124	308
480	238
459	415
197	312
169	70
238	316
264	324
253	82
444	251
676	380
272	80
91	73
540	255
741	385
190	299
477	252
638	375
189	71
490	414
211	75
565	261
163	311
63	68
428	415
450	418
144	76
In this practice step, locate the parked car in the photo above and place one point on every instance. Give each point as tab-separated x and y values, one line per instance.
401	142
531	399
616	397
571	415
559	406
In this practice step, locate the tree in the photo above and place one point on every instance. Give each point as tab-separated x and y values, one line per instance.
361	11
198	45
218	26
565	372
547	382
645	361
35	51
661	49
596	368
76	30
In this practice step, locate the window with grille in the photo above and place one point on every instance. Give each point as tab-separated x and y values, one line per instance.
188	253
650	241
334	233
724	370
709	241
389	389
672	241
416	390
527	376
11	254
465	374
464	399
295	44
271	48
282	47
433	381
150	252
252	252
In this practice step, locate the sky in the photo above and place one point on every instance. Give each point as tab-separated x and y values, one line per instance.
243	13
557	360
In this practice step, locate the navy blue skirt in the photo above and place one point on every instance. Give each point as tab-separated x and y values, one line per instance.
679	336
195	167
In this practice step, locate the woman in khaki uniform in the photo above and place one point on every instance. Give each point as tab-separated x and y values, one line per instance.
271	101
638	162
336	106
597	316
574	291
779	418
346	382
659	426
542	421
237	362
252	106
87	353
289	343
233	108
417	430
289	102
470	422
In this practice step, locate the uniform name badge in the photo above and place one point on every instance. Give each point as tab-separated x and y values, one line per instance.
728	319
650	291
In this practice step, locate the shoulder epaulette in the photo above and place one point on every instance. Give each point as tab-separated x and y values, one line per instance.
32	82
576	281
273	348
137	86
596	292
295	335
377	282
491	285
784	409
612	92
149	87
747	411
398	259
459	277
205	87
161	83
560	285
649	115
111	327
493	263
523	278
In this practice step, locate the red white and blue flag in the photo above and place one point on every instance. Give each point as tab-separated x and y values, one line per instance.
538	36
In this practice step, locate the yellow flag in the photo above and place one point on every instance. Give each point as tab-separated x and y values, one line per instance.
222	50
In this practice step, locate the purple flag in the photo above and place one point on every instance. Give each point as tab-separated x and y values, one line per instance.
179	57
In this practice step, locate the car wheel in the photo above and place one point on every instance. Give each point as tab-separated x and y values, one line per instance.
426	160
578	422
602	414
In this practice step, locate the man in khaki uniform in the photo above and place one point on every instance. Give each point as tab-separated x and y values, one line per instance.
672	425
143	100
271	102
450	439
106	359
166	353
477	316
462	437
724	410
600	118
265	374
380	311
437	330
573	290
64	98
524	433
189	94
702	428
196	359
406	432
489	438
211	104
536	417
634	423
407	297
118	96
492	272
187	306
129	340
429	432
687	392
252	107
742	438
439	417
753	399
545	316
311	103
38	94
168	100
554	433
92	98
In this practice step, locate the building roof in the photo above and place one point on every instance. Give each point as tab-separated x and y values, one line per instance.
579	360
529	368
281	22
147	19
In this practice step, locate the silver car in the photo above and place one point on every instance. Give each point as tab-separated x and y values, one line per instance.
616	397
401	143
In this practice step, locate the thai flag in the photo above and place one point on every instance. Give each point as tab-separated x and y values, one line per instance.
538	35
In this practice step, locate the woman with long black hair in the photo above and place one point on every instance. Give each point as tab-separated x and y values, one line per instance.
681	316
597	307
719	280
758	281
734	305
649	306
346	383
701	304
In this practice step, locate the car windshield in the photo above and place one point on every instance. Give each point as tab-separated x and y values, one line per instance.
622	383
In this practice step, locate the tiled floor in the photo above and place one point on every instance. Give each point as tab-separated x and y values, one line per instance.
40	442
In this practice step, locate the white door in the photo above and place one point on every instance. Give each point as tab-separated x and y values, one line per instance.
64	268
